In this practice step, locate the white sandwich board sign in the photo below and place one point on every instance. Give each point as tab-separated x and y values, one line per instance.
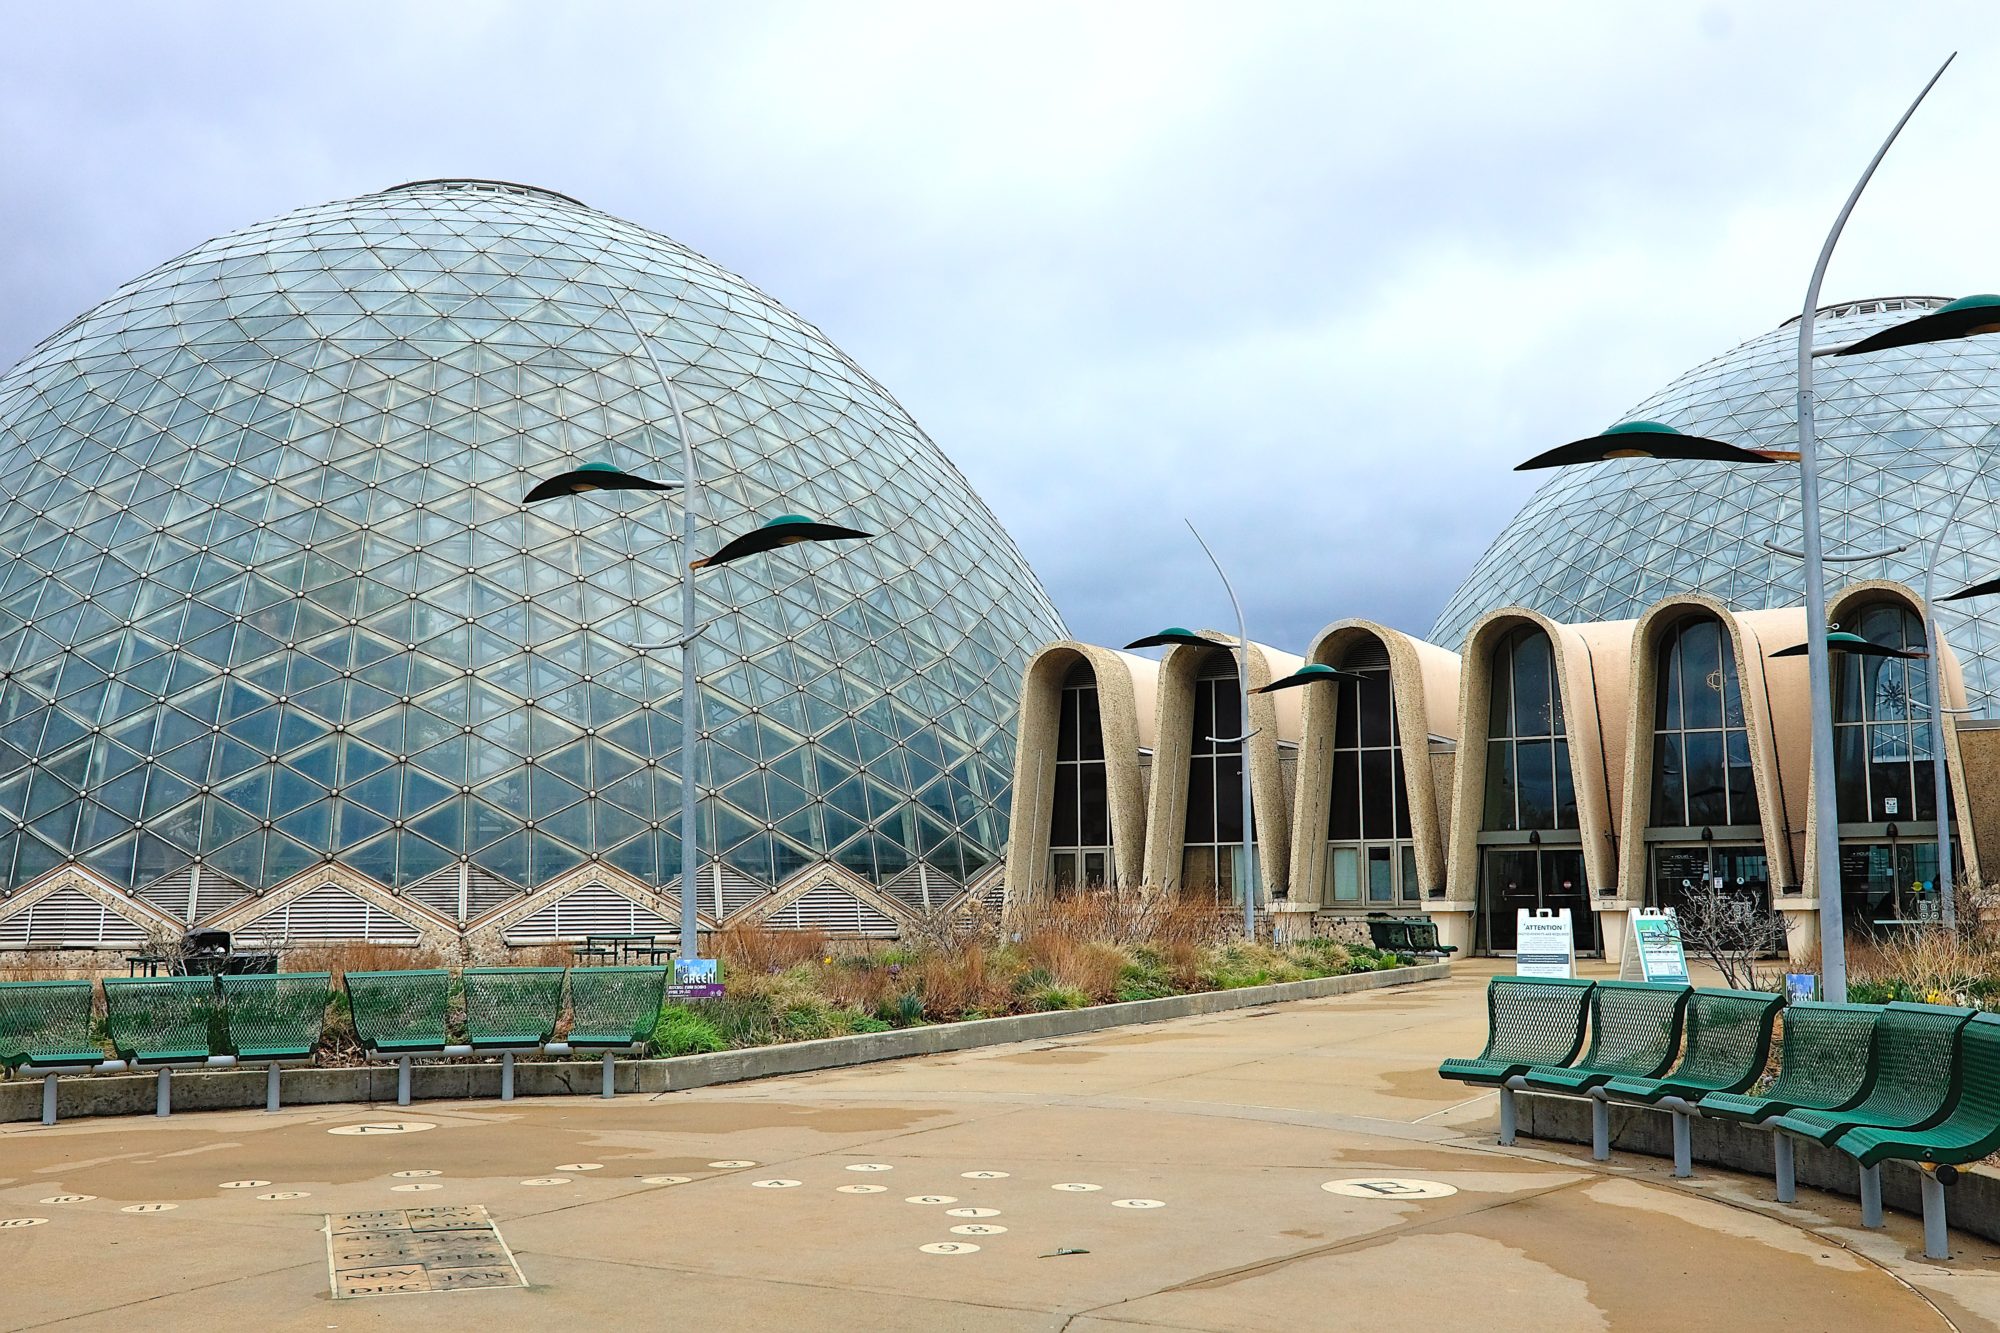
1544	943
1653	949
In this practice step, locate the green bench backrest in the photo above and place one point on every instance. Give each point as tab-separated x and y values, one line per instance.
1728	1037
1382	933
1423	936
1535	1020
278	1016
512	1005
47	1022
164	1020
1915	1068
1635	1026
400	1010
614	1006
1824	1057
1978	1108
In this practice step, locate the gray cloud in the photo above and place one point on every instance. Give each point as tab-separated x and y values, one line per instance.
1314	276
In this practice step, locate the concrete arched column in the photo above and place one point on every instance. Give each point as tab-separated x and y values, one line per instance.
1750	650
1124	682
1273	716
1424	681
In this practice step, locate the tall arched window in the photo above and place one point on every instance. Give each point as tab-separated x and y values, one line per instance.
1882	723
1370	857
1080	825
1701	747
1214	828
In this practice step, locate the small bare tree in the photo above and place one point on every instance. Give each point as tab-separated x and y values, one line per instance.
1739	935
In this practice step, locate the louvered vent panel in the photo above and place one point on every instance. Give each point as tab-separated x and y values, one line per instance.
1370	654
833	909
71	919
171	893
217	895
908	887
594	909
329	913
438	891
733	890
486	891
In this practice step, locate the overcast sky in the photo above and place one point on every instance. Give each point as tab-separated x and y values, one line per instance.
1313	275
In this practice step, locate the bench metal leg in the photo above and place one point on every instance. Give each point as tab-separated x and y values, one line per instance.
1600	1130
48	1099
1937	1242
506	1076
403	1081
1871	1196
1683	1144
163	1092
1506	1116
1785	1169
271	1087
610	1079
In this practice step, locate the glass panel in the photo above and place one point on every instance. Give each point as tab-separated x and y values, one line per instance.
1412	891
1500	815
1701	672
1538	794
1377	796
1344	873
1742	780
1063	825
1669	788
1343	819
1532	684
1381	875
1707	783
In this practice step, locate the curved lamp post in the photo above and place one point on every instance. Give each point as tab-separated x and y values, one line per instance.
788	530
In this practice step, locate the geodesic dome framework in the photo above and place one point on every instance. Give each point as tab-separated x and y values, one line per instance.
269	600
1902	435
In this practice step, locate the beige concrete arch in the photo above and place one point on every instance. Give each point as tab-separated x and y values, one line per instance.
1274	717
1591	673
1753	685
1125	705
1849	600
1423	678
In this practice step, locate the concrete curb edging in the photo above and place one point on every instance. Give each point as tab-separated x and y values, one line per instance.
1972	1204
200	1090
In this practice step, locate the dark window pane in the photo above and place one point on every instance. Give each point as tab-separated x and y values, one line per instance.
1701	676
1094	823
1343	821
1667	703
1090	726
1565	789
1742	780
1926	788
1500	708
1346	730
1201	801
1062	828
1499	786
1889	785
1378	819
1066	736
1375	706
1847	687
1850	771
1229	798
1732	688
1707	785
1538	787
1412	890
1402	792
1669	800
1532	716
1381	875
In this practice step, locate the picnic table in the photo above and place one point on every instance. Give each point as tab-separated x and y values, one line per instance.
623	947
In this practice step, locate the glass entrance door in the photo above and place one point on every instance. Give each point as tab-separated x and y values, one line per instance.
1884	884
1530	877
1681	871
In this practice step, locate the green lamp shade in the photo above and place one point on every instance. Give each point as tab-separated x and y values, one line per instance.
1966	317
1174	634
1841	641
1650	439
786	530
595	476
1310	674
1976	590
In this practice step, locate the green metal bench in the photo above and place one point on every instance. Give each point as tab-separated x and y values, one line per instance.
398	1015
1635	1032
1970	1131
45	1026
1916	1082
509	1009
160	1022
1414	937
1728	1043
275	1019
614	1009
1531	1022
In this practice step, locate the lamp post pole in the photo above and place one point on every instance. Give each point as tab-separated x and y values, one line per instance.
1940	774
1250	878
1826	811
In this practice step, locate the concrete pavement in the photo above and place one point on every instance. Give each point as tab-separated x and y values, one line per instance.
1209	1142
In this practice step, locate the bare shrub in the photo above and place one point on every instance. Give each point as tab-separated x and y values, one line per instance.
356	956
1740	936
757	948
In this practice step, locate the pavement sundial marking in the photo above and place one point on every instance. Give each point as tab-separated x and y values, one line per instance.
931	1198
1138	1203
982	1175
949	1247
12	1222
149	1208
546	1180
1389	1187
394	1252
384	1127
68	1198
412	1175
979	1229
581	1166
243	1184
416	1187
777	1184
280	1195
861	1189
870	1166
1076	1187
730	1165
664	1180
972	1212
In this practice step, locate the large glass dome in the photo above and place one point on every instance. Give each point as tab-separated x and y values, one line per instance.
1903	435
269	597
